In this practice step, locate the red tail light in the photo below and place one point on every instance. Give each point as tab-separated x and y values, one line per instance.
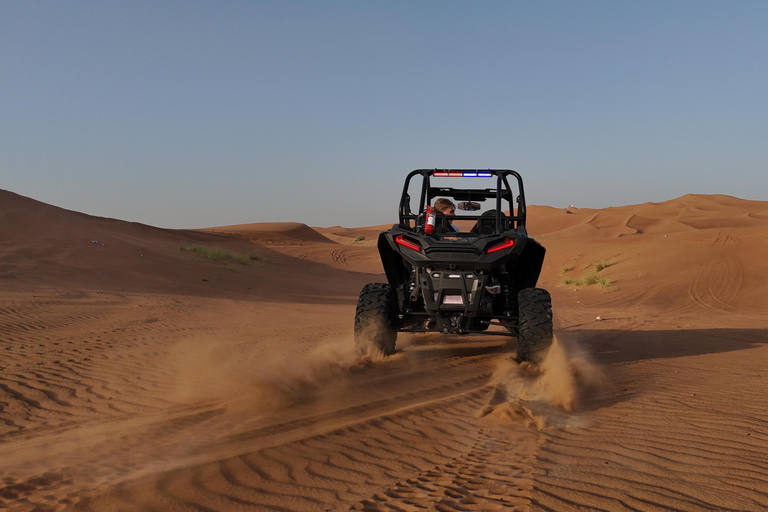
503	245
407	243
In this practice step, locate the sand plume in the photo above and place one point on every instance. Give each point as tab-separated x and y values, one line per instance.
282	381
543	395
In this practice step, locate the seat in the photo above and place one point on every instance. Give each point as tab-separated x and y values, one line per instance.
442	226
486	224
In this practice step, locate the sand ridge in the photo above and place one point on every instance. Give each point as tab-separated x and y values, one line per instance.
273	232
139	376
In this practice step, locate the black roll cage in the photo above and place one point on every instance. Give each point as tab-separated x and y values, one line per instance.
502	191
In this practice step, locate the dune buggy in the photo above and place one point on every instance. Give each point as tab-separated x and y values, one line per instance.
473	272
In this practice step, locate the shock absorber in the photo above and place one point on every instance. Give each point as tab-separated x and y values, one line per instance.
413	285
506	292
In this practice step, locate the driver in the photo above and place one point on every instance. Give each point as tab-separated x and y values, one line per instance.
446	207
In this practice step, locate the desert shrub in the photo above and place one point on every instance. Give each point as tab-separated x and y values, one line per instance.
590	278
218	254
604	282
603	264
359	238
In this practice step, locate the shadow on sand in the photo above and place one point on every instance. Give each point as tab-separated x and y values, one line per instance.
609	347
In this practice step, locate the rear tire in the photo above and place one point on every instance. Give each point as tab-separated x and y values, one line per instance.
535	332
376	308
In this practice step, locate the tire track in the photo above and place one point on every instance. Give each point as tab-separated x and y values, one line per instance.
718	281
494	474
335	467
340	258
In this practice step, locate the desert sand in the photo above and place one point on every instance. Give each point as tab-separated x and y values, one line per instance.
139	376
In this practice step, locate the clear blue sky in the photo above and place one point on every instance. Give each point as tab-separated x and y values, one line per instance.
195	114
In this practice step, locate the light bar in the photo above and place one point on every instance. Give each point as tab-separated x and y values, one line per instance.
464	174
504	245
407	243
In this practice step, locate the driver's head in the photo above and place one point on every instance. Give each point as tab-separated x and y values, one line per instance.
445	206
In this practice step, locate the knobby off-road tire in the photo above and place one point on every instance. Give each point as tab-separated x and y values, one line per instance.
535	331
376	308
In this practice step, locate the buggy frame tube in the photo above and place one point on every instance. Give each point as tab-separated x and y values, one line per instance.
499	178
425	191
501	175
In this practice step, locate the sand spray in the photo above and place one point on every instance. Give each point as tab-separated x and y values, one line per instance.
544	395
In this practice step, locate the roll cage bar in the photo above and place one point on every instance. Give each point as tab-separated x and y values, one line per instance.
502	191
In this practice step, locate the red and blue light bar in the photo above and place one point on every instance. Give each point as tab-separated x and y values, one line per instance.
462	174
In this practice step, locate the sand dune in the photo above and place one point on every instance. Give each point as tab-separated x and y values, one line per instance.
369	234
137	374
273	232
686	213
